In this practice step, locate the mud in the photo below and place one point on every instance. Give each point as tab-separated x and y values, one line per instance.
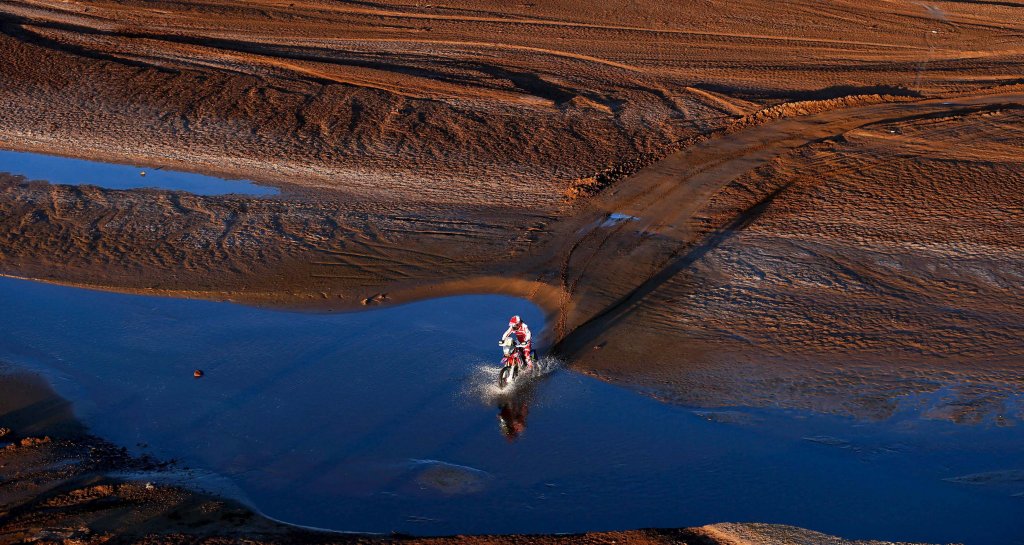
245	247
847	274
879	233
828	197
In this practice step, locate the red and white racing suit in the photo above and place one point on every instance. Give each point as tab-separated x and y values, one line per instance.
522	336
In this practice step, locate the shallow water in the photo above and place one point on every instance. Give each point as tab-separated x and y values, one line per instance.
65	170
386	420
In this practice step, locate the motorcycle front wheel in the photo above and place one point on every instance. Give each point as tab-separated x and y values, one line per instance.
504	376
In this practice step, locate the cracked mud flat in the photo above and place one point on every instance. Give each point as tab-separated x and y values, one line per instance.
829	217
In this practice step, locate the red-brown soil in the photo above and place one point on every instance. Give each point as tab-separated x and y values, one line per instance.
454	103
828	195
870	262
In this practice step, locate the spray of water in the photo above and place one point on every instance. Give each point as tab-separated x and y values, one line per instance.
483	382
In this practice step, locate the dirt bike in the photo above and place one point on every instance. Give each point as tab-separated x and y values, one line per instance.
513	360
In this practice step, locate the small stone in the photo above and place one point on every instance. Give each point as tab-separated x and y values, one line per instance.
150	486
197	373
4	431
33	441
143	173
375	299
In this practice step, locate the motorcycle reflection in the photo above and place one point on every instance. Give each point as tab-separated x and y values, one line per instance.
512	413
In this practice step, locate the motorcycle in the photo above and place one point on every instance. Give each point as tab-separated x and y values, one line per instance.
513	360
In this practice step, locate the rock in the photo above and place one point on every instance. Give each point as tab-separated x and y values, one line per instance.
4	432
33	441
375	299
197	373
98	491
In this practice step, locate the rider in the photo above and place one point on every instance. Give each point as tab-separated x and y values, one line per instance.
517	326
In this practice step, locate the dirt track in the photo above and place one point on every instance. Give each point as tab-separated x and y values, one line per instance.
848	244
827	197
452	104
666	197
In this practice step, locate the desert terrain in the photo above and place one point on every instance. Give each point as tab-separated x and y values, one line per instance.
812	206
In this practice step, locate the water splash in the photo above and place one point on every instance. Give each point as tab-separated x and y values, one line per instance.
483	382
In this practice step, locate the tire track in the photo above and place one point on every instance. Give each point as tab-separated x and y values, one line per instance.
667	195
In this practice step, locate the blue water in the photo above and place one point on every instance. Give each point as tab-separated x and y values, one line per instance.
385	421
64	170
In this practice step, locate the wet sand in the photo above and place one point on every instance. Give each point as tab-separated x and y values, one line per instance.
869	263
828	196
842	241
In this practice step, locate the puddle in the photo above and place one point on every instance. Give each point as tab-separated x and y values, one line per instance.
64	170
610	220
383	421
616	218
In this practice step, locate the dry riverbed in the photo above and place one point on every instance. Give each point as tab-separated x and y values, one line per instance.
819	209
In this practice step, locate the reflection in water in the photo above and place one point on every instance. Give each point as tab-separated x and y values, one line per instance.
514	402
65	170
330	420
512	412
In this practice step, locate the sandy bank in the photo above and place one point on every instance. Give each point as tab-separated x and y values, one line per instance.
827	199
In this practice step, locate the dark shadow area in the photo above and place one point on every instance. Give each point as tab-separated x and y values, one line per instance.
588	332
953	112
29	408
836	91
413	65
15	28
